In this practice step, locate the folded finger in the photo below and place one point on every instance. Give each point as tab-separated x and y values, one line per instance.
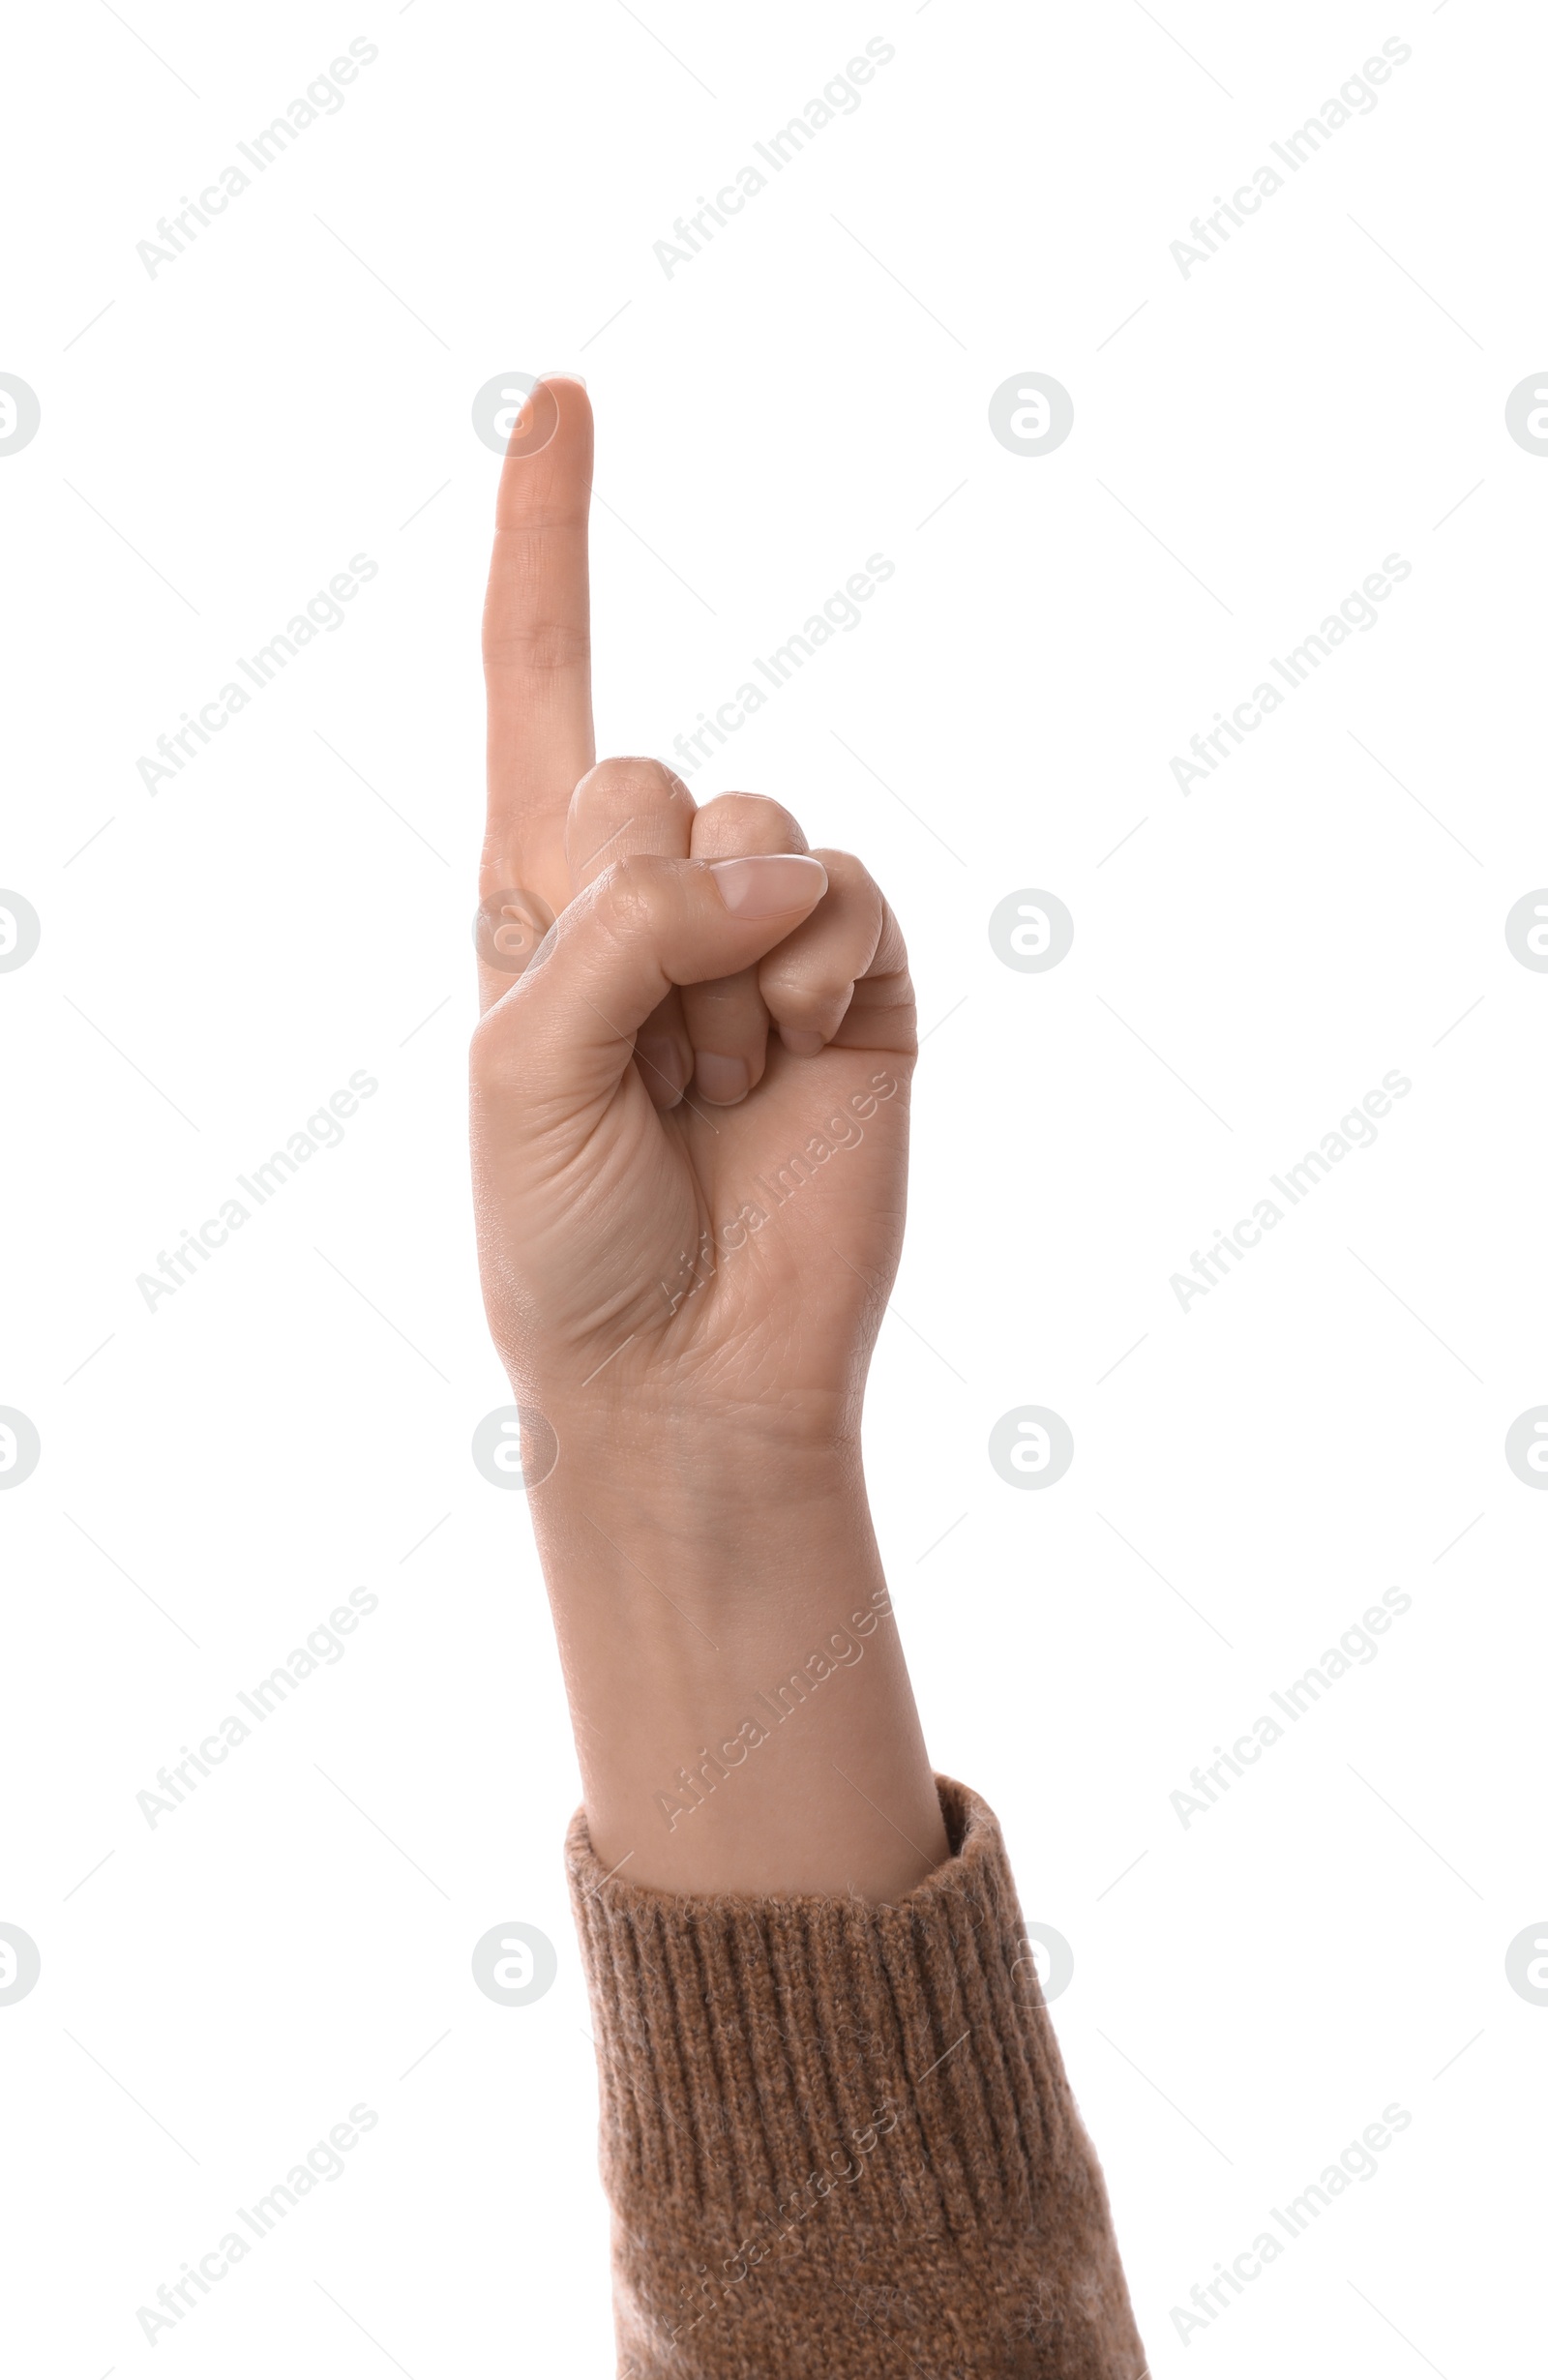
620	807
727	1021
842	976
562	1036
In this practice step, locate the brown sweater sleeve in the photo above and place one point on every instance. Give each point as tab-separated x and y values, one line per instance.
838	2139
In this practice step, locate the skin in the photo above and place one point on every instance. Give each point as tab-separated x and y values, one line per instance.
712	1002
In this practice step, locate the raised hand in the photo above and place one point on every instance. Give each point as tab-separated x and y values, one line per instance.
690	1117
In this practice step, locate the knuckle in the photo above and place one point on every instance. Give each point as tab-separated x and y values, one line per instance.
848	873
537	646
808	986
738	822
635	774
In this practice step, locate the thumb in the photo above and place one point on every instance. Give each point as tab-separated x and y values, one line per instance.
566	1027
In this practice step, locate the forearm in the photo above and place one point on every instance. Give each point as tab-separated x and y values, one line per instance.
741	1705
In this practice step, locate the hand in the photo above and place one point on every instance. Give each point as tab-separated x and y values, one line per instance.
690	1089
690	1119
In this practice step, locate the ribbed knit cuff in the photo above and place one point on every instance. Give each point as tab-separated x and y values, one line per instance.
761	2056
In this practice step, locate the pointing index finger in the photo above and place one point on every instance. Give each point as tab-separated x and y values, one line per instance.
537	642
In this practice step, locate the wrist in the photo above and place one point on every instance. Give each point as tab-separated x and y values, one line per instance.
716	1517
665	1469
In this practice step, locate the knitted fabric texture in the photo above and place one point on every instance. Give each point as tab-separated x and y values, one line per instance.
838	2139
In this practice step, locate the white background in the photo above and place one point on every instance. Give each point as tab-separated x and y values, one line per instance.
216	959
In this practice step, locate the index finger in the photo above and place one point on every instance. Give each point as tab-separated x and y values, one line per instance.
537	643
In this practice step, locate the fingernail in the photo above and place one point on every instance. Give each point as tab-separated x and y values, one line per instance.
722	1080
800	1045
769	883
563	374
